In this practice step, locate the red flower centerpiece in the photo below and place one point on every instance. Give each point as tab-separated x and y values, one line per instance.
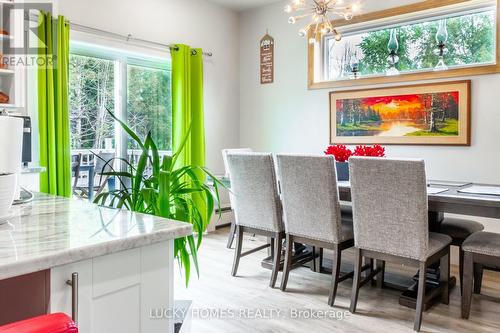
371	151
342	154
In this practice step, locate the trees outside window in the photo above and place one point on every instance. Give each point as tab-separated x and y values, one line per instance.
471	41
91	91
95	74
149	106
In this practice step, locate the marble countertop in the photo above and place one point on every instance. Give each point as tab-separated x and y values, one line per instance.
52	231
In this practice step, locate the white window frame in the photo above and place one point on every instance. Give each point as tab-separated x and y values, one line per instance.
317	77
122	59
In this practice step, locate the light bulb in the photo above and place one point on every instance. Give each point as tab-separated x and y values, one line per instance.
292	20
325	30
348	16
355	7
288	9
338	36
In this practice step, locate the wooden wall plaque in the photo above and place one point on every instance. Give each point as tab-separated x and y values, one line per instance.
267	59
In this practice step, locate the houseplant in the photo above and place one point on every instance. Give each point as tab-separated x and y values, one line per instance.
163	189
342	154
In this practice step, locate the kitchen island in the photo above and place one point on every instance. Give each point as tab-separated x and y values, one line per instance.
107	268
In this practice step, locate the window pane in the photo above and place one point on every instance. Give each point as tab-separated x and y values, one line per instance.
91	92
149	105
470	41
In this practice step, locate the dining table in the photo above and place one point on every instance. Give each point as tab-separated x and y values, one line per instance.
453	197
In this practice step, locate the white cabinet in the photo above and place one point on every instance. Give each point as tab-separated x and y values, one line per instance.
119	292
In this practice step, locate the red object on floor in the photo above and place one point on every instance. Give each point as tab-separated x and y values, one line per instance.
53	323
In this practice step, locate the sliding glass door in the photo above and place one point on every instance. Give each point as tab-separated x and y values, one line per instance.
137	89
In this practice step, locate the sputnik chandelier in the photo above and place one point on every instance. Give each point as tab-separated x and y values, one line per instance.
319	11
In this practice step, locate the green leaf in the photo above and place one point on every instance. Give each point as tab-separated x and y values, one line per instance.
194	253
186	262
127	129
176	155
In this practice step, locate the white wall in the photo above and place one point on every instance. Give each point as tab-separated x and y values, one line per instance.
195	22
287	117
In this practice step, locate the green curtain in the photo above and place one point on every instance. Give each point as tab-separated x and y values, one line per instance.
187	109
53	107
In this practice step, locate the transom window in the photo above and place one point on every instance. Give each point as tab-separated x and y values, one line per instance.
446	41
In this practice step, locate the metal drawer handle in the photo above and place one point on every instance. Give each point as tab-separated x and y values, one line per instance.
74	296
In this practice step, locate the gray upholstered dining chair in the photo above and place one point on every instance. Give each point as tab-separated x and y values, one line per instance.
312	212
256	204
482	250
390	217
225	152
459	229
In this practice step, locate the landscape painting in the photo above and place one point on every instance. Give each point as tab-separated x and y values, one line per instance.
419	114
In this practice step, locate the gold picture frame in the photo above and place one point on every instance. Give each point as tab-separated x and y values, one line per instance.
419	114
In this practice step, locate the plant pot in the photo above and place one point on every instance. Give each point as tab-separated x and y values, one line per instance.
342	171
7	190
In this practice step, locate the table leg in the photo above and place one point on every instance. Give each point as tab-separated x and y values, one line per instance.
91	183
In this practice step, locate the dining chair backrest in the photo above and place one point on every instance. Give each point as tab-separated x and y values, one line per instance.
310	196
76	162
254	189
390	209
225	152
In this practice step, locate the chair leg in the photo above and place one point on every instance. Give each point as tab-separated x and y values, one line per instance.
420	296
230	238
276	259
461	268
373	282
237	250
381	275
288	262
478	278
467	291
356	281
320	259
444	276
316	253
337	259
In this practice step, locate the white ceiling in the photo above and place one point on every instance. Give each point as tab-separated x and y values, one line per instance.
240	5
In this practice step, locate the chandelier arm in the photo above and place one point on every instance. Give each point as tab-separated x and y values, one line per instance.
320	12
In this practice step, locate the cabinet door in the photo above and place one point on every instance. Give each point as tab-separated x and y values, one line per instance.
60	291
117	292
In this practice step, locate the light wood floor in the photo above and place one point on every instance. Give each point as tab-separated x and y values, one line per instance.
217	297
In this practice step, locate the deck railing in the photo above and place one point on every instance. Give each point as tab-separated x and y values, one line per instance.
88	155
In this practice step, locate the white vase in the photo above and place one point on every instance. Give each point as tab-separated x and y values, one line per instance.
8	183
